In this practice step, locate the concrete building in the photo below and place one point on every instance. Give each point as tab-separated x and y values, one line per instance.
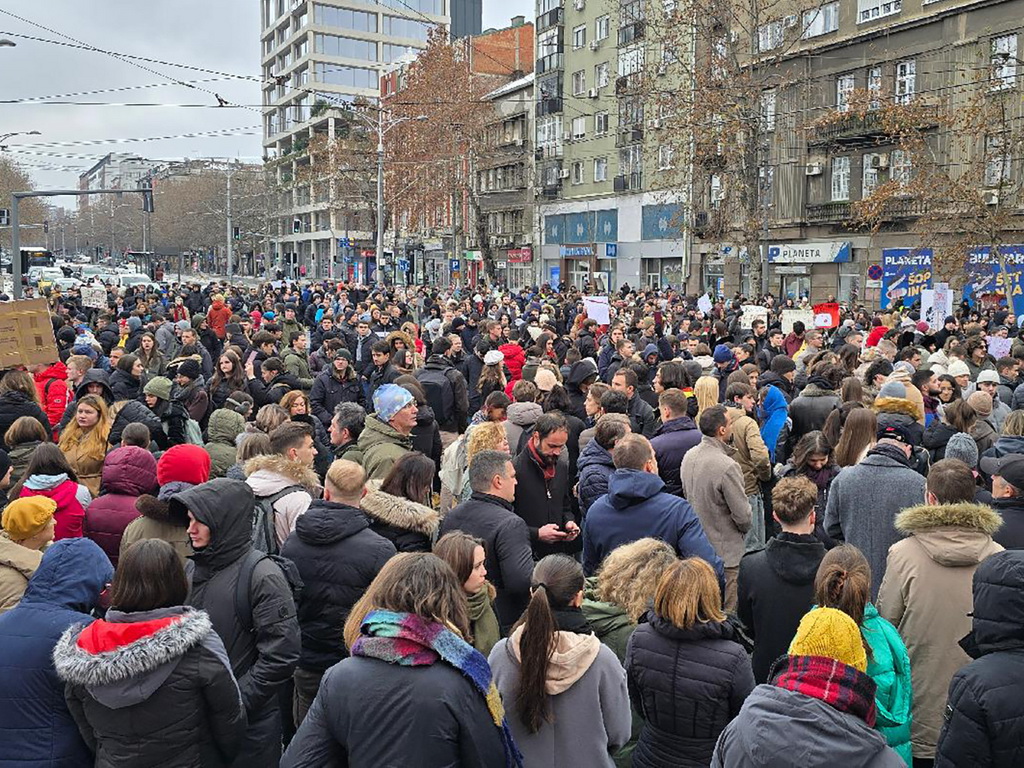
114	171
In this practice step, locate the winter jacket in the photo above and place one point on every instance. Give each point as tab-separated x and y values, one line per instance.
635	507
540	501
586	689
156	520
687	684
14	405
328	391
20	456
671	441
926	595
51	385
642	418
382	445
810	409
713	484
61	593
86	462
263	658
579	372
898	411
889	667
426	435
128	473
984	716
225	427
17	564
935	438
71	498
521	418
124	385
515	359
775	412
269	475
92	376
863	502
218	318
610	622
152	688
1011	534
508	556
134	412
372	713
775	589
595	466
380	376
337	556
458	418
751	451
409	526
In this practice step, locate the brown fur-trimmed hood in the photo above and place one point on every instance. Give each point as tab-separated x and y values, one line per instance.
401	513
405	337
963	515
896	405
291	471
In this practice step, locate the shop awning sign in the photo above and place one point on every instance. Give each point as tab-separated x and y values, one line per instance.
821	252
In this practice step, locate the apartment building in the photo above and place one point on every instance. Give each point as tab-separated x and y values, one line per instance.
114	171
824	155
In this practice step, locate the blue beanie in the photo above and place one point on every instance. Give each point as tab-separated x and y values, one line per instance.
389	399
723	354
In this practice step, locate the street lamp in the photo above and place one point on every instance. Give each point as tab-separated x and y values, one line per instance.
5	136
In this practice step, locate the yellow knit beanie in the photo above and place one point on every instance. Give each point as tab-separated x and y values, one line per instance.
830	633
25	517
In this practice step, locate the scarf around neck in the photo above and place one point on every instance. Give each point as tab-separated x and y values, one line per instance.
839	685
547	471
891	452
411	641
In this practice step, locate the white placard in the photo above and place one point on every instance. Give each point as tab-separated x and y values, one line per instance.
928	309
596	308
790	316
999	347
752	312
704	304
93	296
943	303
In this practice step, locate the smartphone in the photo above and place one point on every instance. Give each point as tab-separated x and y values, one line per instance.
252	356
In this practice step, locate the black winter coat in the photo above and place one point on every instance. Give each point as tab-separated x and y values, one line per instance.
935	438
337	556
596	466
124	385
809	411
328	391
1011	534
776	588
687	685
426	437
14	405
379	377
540	501
985	712
134	412
671	442
372	713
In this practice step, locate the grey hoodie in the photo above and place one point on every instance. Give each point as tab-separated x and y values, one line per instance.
521	416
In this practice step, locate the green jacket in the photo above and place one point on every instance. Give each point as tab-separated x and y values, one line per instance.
382	446
225	426
290	328
889	667
350	452
298	366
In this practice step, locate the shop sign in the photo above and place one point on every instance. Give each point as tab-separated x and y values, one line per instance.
577	251
821	252
611	250
794	270
520	255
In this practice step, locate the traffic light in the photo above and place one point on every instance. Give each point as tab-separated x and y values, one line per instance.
147	201
296	226
46	227
236	233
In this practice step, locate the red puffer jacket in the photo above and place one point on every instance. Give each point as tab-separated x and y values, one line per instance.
51	384
515	359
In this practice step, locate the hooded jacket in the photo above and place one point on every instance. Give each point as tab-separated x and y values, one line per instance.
71	499
898	411
926	594
328	391
17	564
51	384
409	526
124	386
515	359
14	405
157	520
1011	534
984	715
595	466
671	441
579	372
635	507
382	445
218	318
268	475
337	555
810	409
775	589
135	412
128	473
776	411
65	587
92	376
152	688
889	667
225	426
521	418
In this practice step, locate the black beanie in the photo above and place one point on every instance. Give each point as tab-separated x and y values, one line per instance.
782	364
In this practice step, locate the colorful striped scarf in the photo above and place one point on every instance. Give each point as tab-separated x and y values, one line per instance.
839	685
409	640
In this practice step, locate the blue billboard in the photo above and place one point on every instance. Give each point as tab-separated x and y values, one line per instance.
905	273
984	275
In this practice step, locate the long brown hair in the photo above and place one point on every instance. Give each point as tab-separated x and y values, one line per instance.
557	579
858	433
844	582
688	594
457	548
411	477
20	381
149	575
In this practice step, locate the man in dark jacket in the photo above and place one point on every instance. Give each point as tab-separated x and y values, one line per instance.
446	390
582	374
769	351
781	375
816	401
637	506
489	516
1008	498
263	645
272	383
383	372
776	584
586	339
642	418
338	383
725	364
542	474
337	556
676	435
595	463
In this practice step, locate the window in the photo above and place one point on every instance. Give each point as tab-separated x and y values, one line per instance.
601	26
875	87
844	88
1004	62
666	155
579	82
601	123
396	26
716	191
600	169
359	21
906	74
549	131
353	77
391	52
869	174
841	178
821	21
601	74
577	171
869	10
579	36
997	160
770	36
631	60
768	110
548	42
900	168
631	160
579	127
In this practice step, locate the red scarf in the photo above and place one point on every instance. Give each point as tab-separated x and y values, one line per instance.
548	471
839	685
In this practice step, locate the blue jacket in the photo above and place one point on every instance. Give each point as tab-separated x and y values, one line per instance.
775	413
36	729
637	506
671	441
595	466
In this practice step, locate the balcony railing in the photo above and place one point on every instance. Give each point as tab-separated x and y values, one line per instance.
838	212
856	127
550	62
549	19
627	182
824	213
549	107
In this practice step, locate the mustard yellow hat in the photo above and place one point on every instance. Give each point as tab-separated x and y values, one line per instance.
830	633
25	517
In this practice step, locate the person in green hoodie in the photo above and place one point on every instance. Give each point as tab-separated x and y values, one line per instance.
616	597
465	554
844	582
225	426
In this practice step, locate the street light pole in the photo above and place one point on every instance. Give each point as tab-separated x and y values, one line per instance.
228	226
380	199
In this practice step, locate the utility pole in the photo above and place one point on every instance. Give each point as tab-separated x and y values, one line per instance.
380	198
228	226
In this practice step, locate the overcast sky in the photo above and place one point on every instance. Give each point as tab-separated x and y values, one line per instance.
220	35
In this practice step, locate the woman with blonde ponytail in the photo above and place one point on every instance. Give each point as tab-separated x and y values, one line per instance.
844	582
565	692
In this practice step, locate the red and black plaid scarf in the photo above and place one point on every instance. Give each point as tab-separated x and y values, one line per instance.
839	685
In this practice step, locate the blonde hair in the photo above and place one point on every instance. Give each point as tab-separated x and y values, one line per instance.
629	576
485	437
706	392
688	593
94	441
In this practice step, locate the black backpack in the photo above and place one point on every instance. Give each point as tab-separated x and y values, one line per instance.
243	588
264	536
440	393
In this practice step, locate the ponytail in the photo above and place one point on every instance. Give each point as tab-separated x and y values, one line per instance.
844	582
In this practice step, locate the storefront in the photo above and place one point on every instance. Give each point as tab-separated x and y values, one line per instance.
813	270
519	271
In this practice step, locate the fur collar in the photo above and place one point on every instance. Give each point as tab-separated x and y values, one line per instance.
79	667
896	405
813	390
963	515
292	470
400	512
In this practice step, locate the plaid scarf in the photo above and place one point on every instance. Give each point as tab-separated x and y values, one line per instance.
839	685
409	640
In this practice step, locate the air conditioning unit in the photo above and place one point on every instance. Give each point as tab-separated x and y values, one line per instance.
813	169
592	93
595	44
789	21
880	161
564	173
990	196
662	69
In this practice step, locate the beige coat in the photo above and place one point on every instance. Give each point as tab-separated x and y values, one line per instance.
713	484
88	466
17	564
751	452
926	594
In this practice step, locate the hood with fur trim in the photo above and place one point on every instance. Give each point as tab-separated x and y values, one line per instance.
400	513
403	336
267	475
898	405
952	535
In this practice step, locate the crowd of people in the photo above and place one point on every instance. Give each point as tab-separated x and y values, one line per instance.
326	524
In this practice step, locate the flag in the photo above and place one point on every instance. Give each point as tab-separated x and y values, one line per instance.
826	315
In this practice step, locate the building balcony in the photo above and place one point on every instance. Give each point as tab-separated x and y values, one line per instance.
851	128
549	63
550	19
549	107
629	135
551	191
631	33
629	182
840	212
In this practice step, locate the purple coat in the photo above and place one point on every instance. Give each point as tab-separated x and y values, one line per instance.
671	442
128	473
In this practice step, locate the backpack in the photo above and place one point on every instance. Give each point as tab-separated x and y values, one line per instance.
264	536
193	433
440	393
243	588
